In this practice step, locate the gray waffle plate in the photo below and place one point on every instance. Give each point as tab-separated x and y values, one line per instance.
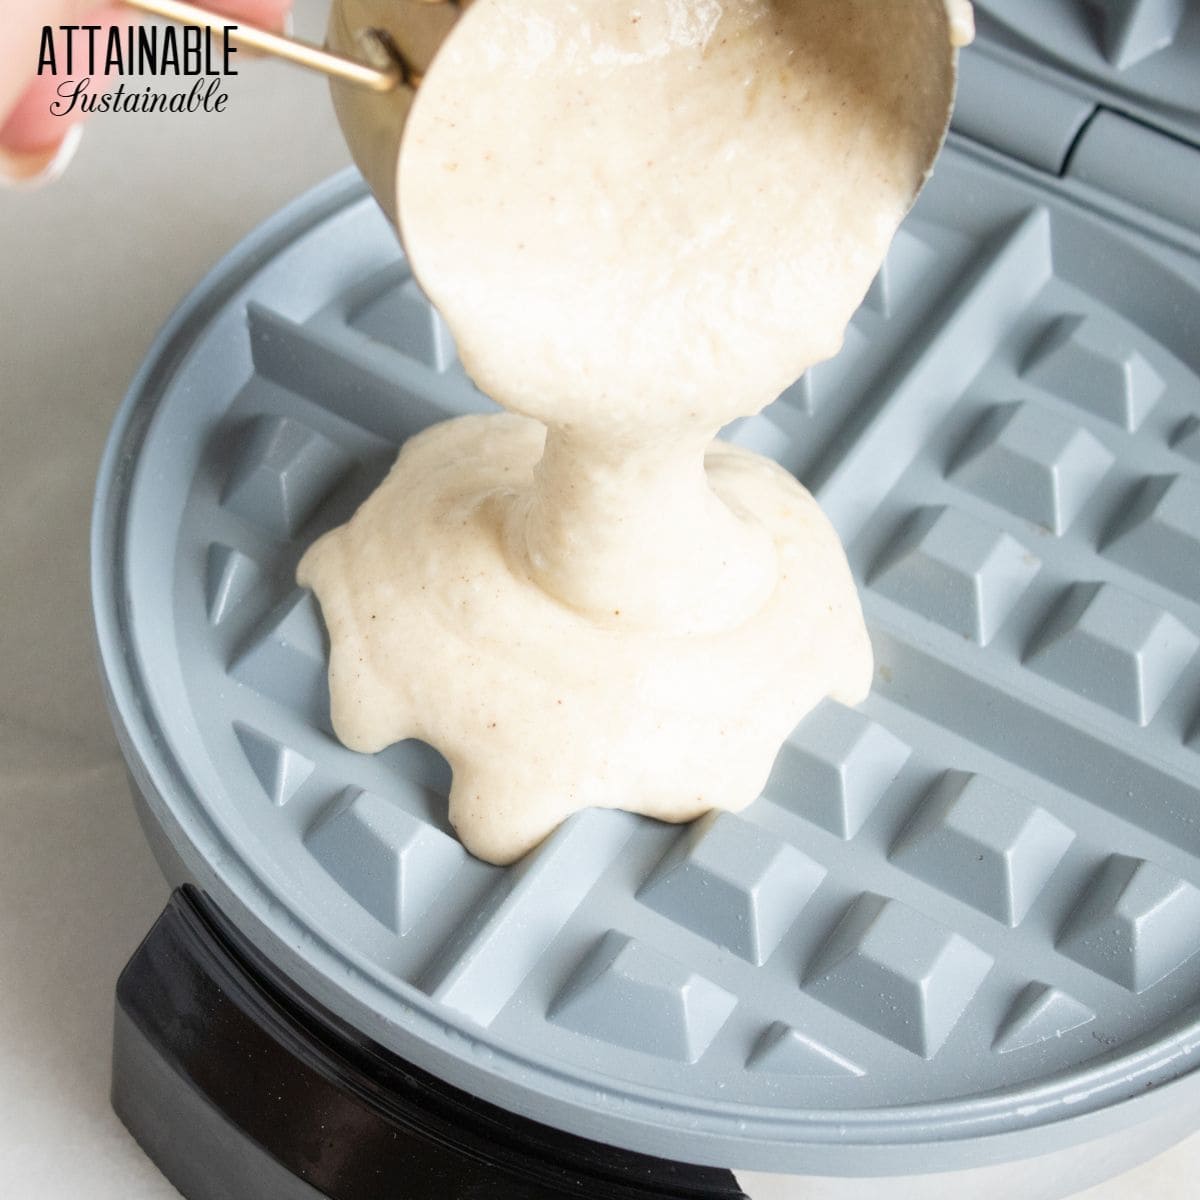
968	910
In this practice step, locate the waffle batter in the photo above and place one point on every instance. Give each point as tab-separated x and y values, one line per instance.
640	221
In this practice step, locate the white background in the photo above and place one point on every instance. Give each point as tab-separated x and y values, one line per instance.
89	269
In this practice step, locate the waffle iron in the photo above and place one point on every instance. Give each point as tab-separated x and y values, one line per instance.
955	942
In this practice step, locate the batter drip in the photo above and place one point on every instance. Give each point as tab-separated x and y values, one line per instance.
640	221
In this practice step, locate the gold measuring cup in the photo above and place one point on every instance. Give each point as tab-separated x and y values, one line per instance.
377	52
375	55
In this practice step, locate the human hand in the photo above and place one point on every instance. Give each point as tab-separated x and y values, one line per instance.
35	145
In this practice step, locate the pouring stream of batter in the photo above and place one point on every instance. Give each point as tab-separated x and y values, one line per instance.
640	221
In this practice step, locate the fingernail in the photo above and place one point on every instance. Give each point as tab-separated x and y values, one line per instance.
36	168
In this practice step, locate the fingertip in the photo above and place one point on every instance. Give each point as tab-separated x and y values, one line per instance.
33	128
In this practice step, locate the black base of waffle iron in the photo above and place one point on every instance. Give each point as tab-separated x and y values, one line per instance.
240	1087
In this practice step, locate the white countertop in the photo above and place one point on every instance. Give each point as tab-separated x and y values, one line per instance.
89	270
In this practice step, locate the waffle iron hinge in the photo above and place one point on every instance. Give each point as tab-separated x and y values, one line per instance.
1063	129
